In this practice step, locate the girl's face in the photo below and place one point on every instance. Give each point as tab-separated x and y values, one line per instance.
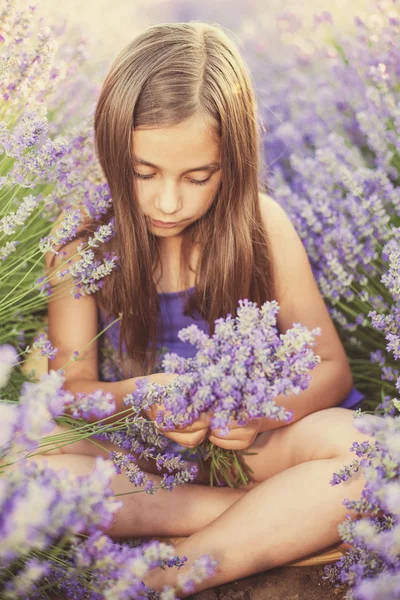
177	174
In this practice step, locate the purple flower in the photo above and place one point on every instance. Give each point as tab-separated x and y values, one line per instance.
43	344
99	403
202	568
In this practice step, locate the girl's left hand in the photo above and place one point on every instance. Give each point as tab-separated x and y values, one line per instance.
240	437
189	436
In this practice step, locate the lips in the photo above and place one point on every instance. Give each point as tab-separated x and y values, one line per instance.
164	224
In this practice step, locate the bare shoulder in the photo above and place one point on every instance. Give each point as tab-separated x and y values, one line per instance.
275	219
284	241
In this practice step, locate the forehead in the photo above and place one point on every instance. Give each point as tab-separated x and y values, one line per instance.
177	146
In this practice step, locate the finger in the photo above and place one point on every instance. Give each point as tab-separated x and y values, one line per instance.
187	440
229	444
235	434
203	422
194	427
250	426
233	425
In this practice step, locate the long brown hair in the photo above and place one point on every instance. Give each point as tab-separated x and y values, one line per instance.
167	74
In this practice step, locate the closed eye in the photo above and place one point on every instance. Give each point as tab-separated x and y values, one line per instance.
203	182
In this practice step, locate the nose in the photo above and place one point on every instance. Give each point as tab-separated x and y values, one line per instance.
168	200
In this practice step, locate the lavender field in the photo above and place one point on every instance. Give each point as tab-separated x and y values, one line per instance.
327	84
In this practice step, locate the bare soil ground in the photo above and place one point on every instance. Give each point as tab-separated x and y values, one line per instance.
281	583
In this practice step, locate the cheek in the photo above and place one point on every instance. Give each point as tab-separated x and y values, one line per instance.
205	200
141	197
141	203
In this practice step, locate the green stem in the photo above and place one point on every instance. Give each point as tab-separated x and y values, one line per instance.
27	226
37	302
43	555
371	379
138	492
10	270
77	434
20	281
360	361
34	303
14	300
6	208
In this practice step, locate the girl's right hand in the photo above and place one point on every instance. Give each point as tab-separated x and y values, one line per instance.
190	436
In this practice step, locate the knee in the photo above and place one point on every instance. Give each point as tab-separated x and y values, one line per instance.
345	437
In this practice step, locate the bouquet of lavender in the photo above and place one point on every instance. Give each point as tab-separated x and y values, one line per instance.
235	375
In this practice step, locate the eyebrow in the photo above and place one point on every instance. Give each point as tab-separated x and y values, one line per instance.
210	167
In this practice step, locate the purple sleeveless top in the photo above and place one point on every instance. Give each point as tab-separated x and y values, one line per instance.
173	320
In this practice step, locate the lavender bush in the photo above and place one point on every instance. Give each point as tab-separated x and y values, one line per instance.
370	569
47	166
334	146
60	545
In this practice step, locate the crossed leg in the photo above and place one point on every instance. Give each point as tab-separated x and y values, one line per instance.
180	512
293	512
320	435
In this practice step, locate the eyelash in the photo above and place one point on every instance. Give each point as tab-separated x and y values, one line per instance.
192	181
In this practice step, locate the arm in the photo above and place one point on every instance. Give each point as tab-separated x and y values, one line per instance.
300	301
73	325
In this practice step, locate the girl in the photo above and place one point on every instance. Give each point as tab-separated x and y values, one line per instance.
177	137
